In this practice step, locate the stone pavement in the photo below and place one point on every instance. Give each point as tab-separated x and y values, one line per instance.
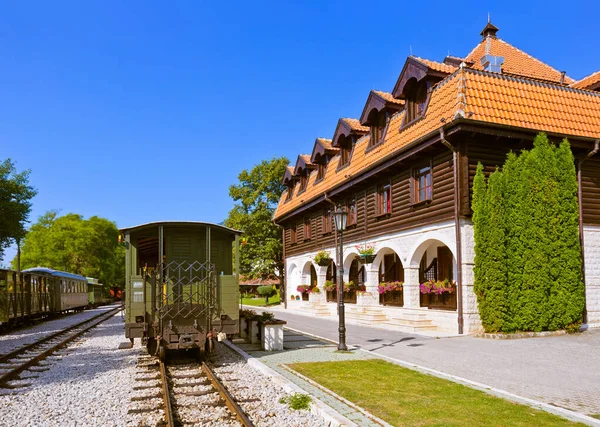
563	371
300	348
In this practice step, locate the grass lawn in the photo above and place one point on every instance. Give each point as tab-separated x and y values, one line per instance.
260	302
404	397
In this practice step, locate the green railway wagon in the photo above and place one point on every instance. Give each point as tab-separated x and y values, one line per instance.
181	286
22	296
94	290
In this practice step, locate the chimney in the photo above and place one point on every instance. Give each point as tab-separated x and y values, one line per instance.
492	63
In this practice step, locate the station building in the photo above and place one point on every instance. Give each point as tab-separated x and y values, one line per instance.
404	171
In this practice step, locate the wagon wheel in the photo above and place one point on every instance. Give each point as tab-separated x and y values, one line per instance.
151	346
162	353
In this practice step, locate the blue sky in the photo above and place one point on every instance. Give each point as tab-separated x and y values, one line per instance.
144	110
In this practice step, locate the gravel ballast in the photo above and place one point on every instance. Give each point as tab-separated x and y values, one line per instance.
87	384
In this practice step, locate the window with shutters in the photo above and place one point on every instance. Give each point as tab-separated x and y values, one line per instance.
293	234
327	221
384	199
422	185
351	209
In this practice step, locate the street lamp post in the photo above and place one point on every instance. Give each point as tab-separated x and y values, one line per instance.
341	217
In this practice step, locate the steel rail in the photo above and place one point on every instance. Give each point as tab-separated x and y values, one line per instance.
17	351
227	397
166	396
38	357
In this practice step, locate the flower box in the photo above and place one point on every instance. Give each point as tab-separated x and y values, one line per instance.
438	295
367	258
332	296
392	298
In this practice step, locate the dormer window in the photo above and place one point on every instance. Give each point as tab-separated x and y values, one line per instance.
345	144
379	122
416	97
303	182
290	192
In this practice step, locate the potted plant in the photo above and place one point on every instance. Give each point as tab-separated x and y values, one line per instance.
366	251
297	297
329	286
438	294
293	297
322	258
303	288
314	290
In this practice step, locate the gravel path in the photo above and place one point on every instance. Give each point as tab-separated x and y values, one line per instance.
87	384
11	341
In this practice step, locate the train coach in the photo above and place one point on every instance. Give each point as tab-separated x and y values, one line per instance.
181	287
67	291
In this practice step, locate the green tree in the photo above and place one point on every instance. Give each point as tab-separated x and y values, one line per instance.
490	250
256	196
15	203
76	245
536	210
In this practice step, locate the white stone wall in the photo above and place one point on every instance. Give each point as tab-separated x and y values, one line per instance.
408	245
471	320
591	242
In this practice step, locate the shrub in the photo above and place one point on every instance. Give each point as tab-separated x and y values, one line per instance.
267	315
297	401
248	314
528	267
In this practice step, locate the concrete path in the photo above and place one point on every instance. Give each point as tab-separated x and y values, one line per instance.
563	371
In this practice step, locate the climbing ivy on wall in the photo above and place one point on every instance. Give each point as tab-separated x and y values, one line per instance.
527	250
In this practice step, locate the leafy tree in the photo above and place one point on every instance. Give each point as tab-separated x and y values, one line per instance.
267	292
15	203
73	244
256	196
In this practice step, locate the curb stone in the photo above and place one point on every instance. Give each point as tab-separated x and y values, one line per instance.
330	415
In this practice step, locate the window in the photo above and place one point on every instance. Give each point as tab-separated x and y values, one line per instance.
378	128
290	192
416	96
293	235
327	221
303	182
384	199
351	209
321	171
422	184
307	230
344	156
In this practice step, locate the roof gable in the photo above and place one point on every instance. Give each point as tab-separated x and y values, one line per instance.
321	148
345	128
379	100
419	68
516	61
303	163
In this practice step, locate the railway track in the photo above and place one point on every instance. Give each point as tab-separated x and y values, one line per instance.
12	364
182	393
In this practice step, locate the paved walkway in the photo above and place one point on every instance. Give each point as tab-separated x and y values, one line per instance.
301	348
563	371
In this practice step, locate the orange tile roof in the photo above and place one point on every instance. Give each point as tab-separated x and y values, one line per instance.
483	97
515	61
588	81
355	125
388	97
441	105
436	66
306	158
326	143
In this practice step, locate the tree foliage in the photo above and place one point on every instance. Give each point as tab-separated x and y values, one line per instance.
76	245
15	203
528	268
256	196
